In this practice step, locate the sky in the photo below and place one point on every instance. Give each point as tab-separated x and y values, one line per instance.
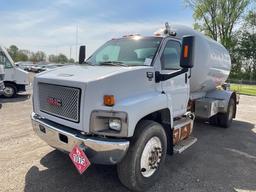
51	25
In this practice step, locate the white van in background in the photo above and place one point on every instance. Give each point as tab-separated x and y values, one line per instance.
15	79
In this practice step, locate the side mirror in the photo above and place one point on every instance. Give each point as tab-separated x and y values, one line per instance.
187	52
81	54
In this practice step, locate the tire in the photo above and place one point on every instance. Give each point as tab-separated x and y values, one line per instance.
130	170
10	90
214	120
225	119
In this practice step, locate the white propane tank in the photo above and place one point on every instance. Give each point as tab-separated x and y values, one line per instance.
212	61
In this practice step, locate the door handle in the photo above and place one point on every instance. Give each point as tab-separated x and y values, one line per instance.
186	78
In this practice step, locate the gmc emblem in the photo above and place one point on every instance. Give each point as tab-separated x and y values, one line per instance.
54	102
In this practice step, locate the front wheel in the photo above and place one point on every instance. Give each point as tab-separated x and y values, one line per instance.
141	167
9	90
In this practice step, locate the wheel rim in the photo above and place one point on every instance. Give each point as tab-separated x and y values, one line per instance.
8	91
151	157
231	111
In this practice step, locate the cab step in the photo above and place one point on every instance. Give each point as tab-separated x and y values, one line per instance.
184	144
177	124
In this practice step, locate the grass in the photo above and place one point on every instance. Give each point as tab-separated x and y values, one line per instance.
244	89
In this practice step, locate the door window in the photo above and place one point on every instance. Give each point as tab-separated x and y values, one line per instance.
170	59
4	61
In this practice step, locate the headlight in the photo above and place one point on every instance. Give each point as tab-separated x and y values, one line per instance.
115	124
109	123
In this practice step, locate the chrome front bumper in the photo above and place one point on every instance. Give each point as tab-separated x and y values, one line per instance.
98	150
1	87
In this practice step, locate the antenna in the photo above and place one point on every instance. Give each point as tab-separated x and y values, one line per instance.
167	28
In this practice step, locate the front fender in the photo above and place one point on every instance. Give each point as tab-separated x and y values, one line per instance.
140	106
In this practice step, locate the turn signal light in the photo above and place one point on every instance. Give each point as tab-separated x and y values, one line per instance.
186	51
109	100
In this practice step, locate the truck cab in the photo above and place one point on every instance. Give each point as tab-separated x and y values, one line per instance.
129	104
15	79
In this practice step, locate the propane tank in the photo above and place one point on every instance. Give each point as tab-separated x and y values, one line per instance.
212	61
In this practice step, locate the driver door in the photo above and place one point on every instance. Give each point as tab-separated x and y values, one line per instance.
176	88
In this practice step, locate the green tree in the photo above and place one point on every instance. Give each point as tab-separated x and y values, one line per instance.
21	56
37	57
247	45
40	56
71	60
32	57
53	58
62	58
217	18
25	55
13	51
237	59
16	54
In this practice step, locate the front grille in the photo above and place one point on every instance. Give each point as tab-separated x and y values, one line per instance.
60	101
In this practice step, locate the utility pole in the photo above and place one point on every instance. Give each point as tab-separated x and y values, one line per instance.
76	41
70	52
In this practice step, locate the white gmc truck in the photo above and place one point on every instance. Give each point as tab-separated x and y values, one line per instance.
133	101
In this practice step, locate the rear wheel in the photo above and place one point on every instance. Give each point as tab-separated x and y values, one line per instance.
141	167
225	119
9	90
214	120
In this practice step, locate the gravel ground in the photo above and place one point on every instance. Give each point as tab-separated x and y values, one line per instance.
221	160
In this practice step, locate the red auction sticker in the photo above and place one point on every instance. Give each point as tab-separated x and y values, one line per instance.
79	159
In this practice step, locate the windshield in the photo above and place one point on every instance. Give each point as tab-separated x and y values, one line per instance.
129	51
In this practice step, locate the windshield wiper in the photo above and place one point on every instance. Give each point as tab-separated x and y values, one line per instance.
114	63
88	63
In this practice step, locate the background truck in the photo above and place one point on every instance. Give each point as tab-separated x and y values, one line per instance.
1	79
134	100
15	79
